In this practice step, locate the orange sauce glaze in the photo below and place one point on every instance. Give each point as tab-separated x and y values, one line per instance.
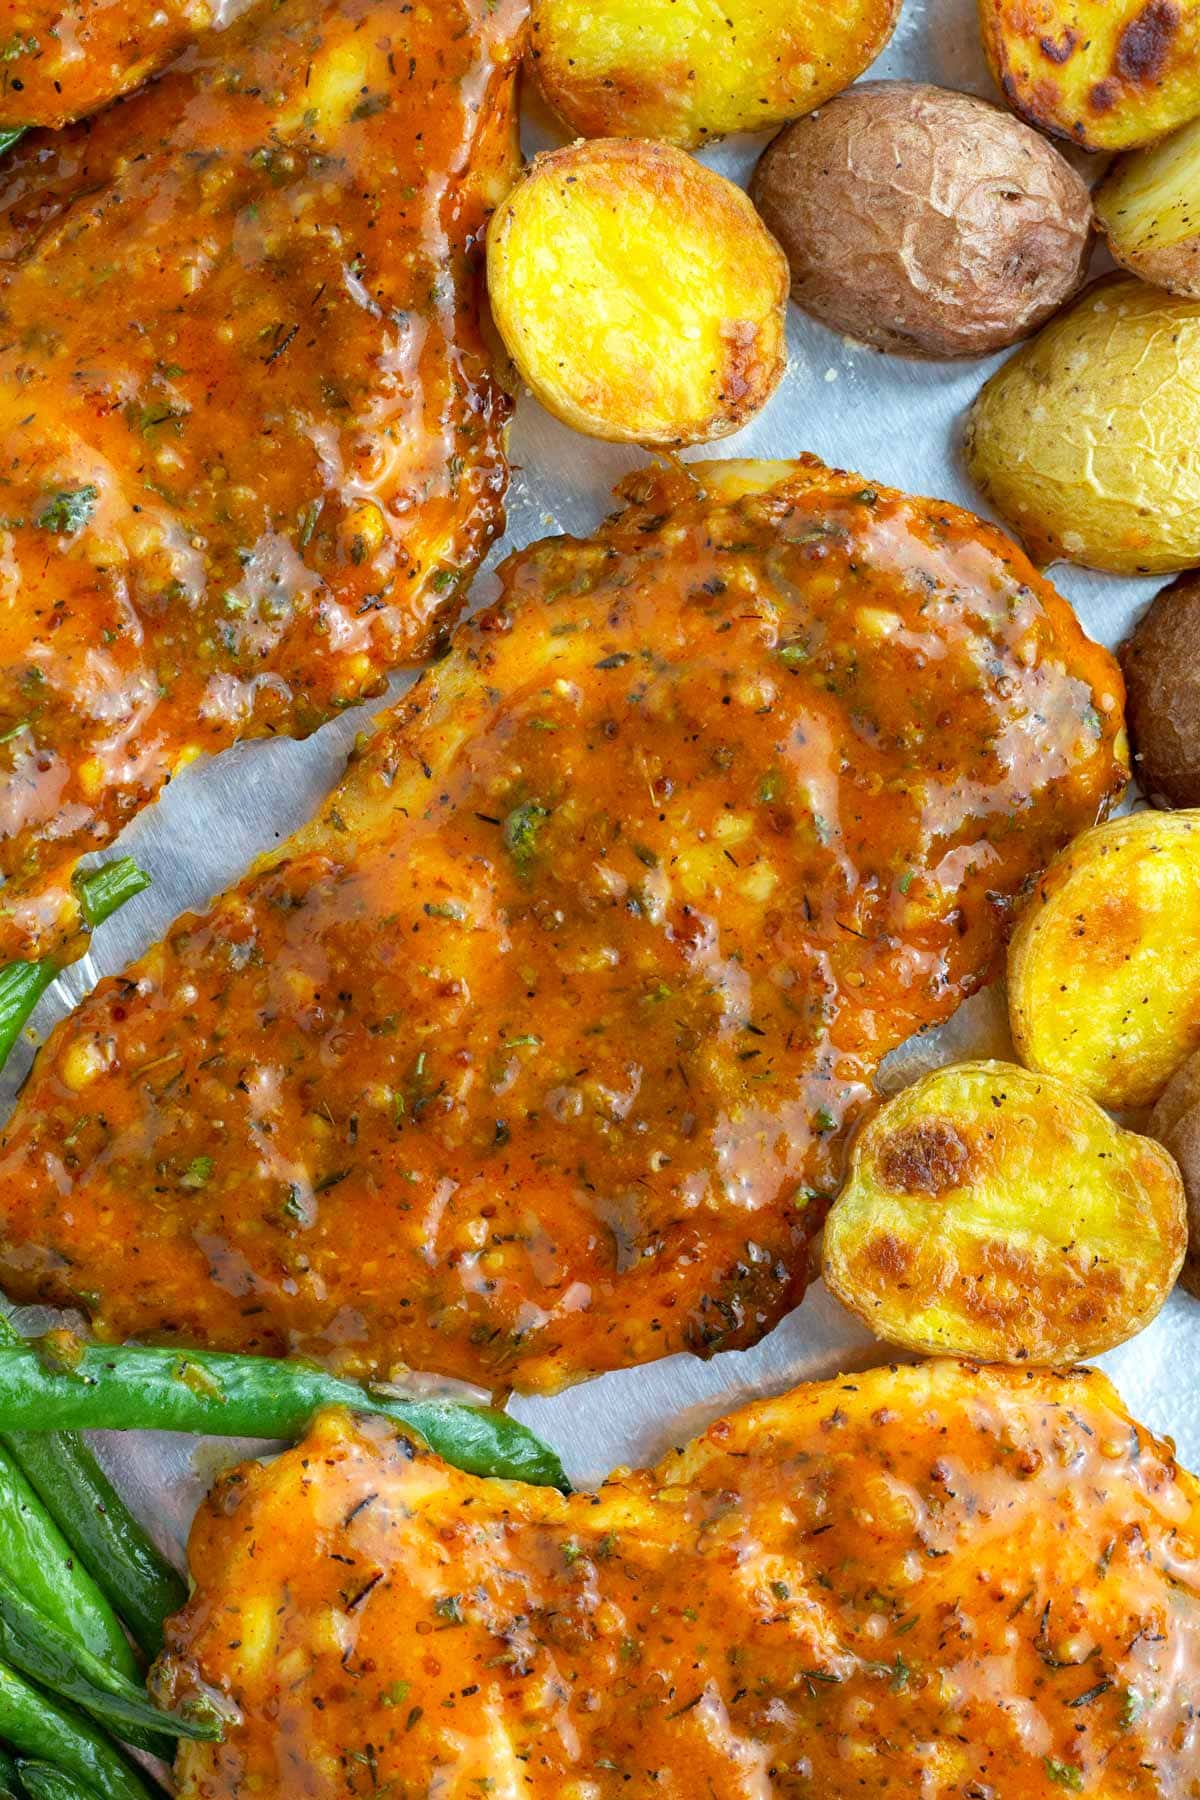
940	1582
536	1053
60	59
250	447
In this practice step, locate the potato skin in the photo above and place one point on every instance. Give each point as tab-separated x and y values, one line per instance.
688	73
998	1214
1107	74
1175	1122
924	222
639	294
1087	441
1148	207
1104	965
1161	663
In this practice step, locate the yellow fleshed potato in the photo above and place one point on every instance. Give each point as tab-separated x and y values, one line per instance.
640	296
1108	74
1104	966
995	1213
1087	441
1148	207
687	71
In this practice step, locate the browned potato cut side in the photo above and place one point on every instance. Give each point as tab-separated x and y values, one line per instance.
1104	966
639	294
995	1213
1161	663
687	71
1148	206
1087	441
924	222
1108	74
1175	1122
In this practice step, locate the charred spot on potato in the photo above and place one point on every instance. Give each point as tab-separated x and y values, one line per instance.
926	1157
1062	1242
1143	45
1061	49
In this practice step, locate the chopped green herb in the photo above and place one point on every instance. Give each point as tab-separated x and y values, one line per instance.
197	1172
1068	1775
69	511
522	828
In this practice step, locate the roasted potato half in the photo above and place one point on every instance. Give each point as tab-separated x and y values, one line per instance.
1104	965
687	71
1108	74
1175	1122
639	295
1148	207
924	222
1003	1215
1087	441
1160	661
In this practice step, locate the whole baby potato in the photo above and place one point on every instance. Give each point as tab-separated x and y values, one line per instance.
1148	207
1087	441
1161	663
924	222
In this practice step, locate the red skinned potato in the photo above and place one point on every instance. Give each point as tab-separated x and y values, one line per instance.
1161	663
924	222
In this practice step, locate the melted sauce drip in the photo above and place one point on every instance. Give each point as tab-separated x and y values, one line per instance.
536	1054
939	1581
250	448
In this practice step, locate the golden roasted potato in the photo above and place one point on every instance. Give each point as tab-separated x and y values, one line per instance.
1148	206
1104	966
1108	74
1087	441
1003	1215
1160	660
640	295
924	222
686	72
1175	1122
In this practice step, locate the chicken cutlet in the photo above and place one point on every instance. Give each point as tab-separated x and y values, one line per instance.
250	441
940	1580
62	59
535	1054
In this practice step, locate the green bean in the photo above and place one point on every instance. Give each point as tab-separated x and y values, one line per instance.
9	136
96	1522
10	1786
111	1545
35	1555
105	890
65	1384
56	1661
22	984
40	1728
41	1782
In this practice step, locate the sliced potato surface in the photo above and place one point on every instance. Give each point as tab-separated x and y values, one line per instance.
687	71
639	294
1108	74
1087	441
1104	966
1148	206
995	1213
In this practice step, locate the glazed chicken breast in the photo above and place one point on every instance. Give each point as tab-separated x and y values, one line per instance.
536	1053
61	59
942	1581
250	443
